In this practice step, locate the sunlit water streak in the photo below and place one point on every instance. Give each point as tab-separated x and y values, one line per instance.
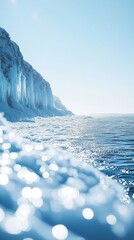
106	142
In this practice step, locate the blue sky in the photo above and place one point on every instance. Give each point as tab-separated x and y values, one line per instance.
84	48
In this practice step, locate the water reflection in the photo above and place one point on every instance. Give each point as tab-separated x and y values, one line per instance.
45	191
104	142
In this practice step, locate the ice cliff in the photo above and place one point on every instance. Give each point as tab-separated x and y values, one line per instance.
24	93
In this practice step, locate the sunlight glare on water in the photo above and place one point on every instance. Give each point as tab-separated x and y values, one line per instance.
60	232
106	142
88	213
48	194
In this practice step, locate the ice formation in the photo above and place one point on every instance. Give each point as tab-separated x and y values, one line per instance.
45	194
23	91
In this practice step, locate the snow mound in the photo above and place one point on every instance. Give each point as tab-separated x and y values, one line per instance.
24	93
45	194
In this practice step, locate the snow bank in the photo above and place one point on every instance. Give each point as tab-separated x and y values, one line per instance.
24	93
46	195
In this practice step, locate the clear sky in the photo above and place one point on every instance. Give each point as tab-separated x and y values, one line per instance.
84	48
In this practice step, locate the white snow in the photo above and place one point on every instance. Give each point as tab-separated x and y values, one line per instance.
23	91
45	194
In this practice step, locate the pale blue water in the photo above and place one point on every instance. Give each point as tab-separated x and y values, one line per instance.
45	194
109	142
106	142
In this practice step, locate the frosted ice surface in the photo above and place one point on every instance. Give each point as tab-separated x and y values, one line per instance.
46	194
23	91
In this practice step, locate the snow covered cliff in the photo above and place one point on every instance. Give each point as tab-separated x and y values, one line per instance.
23	91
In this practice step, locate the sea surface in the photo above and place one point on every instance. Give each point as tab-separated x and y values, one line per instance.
104	141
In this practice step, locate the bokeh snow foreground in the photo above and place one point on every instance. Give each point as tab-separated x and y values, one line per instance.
46	195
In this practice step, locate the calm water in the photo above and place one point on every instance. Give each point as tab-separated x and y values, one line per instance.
106	142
